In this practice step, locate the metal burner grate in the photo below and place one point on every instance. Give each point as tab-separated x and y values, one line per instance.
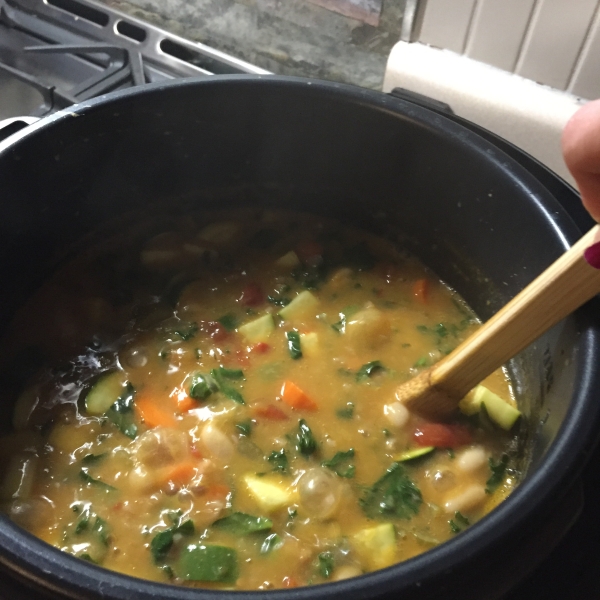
56	53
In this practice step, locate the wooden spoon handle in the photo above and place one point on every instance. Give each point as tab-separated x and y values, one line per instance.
559	290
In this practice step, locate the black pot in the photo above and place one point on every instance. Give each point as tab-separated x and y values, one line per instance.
486	217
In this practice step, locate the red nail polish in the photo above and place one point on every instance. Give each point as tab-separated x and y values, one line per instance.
592	255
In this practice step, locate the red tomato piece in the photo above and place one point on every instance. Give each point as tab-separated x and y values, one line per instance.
269	412
215	330
260	348
252	295
236	358
442	435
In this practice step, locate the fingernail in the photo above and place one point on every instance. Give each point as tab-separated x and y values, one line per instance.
592	255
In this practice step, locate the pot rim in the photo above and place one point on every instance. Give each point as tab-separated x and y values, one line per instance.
49	568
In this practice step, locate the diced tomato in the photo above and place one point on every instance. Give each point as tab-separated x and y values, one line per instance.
421	290
260	348
442	435
195	452
217	491
270	412
290	582
252	295
293	396
309	252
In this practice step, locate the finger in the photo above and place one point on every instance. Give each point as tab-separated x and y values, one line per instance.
581	151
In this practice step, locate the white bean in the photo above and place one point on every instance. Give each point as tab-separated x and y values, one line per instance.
471	460
216	442
468	499
397	414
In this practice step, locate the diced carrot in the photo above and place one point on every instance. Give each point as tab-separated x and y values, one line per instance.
293	396
216	491
182	400
181	473
269	412
421	290
152	414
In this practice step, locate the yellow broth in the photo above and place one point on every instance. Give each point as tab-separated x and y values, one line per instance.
162	438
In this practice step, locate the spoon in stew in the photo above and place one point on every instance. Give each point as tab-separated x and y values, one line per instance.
563	287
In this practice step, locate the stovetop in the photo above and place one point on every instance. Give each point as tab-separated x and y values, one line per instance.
54	53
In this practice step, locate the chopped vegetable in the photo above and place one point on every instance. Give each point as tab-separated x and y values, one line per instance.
220	376
258	330
270	495
293	344
163	541
326	564
499	411
121	412
270	543
153	414
369	369
288	261
442	435
242	524
309	342
347	412
498	471
199	562
279	460
251	295
229	321
303	304
201	387
89	480
394	495
305	440
244	427
459	523
105	392
376	545
413	453
294	397
340	464
269	412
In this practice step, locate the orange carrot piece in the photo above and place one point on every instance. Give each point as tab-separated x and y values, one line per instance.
152	414
421	290
183	402
293	396
181	473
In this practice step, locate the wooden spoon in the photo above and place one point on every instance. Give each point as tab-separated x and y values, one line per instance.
559	290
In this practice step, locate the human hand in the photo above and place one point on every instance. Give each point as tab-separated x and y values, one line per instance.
581	151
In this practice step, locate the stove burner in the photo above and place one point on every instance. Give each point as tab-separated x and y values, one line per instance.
56	53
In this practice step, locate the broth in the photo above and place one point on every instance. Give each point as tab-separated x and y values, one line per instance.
214	406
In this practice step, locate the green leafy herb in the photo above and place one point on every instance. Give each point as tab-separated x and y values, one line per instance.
326	562
83	521
121	412
101	529
199	562
422	362
341	465
161	543
221	377
369	369
229	321
244	427
340	326
394	495
93	459
234	374
305	440
347	412
89	480
271	542
293	338
243	524
498	470
459	523
201	387
279	460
